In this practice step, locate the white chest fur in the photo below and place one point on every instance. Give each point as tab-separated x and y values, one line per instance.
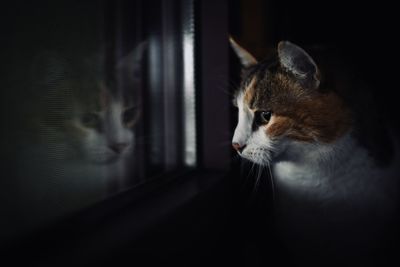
329	193
342	171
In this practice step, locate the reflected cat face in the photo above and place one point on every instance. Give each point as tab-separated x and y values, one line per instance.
93	119
106	135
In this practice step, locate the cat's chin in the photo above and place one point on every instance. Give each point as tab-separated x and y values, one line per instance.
107	157
104	160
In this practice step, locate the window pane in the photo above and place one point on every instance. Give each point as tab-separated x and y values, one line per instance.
98	98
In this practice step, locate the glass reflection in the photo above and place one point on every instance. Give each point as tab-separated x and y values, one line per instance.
98	98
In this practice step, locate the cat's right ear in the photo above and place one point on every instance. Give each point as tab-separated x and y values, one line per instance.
134	57
131	64
245	57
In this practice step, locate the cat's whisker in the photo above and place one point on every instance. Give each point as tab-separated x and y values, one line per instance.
226	92
223	83
251	171
235	158
272	181
232	83
257	182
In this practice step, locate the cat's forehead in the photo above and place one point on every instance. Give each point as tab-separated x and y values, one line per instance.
255	89
261	70
256	80
268	86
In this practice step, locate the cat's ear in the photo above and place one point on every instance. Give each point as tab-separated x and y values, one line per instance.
245	57
134	57
131	64
297	61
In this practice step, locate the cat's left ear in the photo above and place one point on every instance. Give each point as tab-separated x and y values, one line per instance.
297	61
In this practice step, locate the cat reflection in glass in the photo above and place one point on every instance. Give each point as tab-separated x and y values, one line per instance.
330	157
78	140
84	118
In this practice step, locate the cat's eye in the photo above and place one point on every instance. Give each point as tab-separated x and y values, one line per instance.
265	116
130	116
262	117
91	120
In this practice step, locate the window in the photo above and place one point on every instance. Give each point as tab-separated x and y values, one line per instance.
99	97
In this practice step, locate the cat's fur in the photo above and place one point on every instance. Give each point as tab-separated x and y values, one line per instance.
335	194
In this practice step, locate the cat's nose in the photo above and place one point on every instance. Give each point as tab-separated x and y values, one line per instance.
118	147
239	148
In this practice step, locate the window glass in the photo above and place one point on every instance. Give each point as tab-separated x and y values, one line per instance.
93	103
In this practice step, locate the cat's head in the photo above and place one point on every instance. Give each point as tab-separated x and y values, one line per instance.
104	135
82	110
282	107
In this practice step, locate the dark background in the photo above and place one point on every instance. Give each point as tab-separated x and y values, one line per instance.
208	217
362	33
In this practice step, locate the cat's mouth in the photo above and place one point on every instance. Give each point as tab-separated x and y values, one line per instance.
107	155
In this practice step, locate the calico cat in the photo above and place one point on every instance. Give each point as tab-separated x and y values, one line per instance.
336	188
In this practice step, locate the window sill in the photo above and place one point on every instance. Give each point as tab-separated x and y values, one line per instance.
173	216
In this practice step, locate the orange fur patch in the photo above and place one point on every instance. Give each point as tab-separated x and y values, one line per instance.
323	118
299	114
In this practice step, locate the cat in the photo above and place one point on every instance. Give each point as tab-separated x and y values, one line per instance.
336	193
77	139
